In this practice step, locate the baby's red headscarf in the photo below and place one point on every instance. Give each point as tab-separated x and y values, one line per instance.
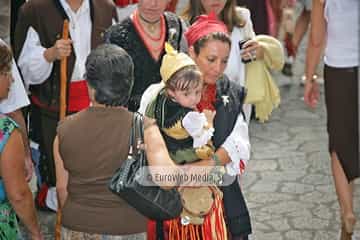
204	25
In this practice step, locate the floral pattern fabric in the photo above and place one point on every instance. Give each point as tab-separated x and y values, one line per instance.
7	126
9	228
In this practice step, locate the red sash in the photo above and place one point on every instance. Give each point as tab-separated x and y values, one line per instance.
78	98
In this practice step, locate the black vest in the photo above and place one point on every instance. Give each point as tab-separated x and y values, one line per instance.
147	70
236	212
47	17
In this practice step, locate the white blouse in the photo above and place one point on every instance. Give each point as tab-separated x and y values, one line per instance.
235	68
342	46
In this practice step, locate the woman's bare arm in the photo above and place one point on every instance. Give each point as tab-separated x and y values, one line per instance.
18	117
157	153
316	38
17	189
62	176
313	52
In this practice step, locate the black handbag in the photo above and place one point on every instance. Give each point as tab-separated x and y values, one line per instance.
151	201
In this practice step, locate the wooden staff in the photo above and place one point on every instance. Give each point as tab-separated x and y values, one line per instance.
62	113
63	73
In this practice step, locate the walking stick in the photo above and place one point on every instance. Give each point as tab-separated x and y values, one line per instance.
63	81
63	74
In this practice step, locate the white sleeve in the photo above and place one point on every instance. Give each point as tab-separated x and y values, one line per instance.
17	97
248	28
198	128
32	63
237	145
150	93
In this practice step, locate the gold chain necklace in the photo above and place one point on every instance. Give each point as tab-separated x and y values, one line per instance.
150	24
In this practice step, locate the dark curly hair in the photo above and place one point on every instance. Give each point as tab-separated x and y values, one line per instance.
110	72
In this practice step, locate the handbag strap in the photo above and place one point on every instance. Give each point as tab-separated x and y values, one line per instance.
136	135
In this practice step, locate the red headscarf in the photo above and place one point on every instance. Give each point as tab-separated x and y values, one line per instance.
204	25
124	3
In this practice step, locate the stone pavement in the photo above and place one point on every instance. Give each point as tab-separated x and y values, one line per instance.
288	183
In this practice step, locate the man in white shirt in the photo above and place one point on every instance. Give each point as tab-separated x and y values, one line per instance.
39	47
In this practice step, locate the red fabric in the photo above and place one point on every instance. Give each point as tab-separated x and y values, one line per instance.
208	98
174	230
290	49
41	196
36	101
242	166
78	98
124	3
204	25
151	230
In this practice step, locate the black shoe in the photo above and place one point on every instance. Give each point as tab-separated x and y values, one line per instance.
287	69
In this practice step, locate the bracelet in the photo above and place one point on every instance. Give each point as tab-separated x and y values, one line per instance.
312	80
216	159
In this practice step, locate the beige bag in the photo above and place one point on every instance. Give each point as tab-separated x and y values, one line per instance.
197	203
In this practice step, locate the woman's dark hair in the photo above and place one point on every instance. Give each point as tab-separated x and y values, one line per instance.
5	58
184	79
110	72
220	36
228	15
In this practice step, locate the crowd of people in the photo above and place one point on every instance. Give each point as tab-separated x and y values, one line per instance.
190	67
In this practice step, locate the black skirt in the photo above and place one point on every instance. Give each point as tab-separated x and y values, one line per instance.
342	105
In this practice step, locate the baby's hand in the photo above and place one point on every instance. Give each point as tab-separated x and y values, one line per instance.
209	116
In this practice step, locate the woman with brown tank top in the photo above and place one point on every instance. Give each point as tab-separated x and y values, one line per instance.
91	145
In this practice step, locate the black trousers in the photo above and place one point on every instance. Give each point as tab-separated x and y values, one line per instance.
236	212
42	130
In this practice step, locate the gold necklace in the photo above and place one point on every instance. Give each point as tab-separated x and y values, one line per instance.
151	25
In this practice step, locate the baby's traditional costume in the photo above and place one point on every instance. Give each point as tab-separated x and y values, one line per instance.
187	135
186	132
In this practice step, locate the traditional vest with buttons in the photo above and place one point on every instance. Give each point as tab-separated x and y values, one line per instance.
47	17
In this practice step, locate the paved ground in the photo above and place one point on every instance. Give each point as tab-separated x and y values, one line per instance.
288	183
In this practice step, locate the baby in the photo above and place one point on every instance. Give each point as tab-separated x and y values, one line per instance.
187	132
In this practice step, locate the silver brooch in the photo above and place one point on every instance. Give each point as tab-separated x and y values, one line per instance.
225	99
